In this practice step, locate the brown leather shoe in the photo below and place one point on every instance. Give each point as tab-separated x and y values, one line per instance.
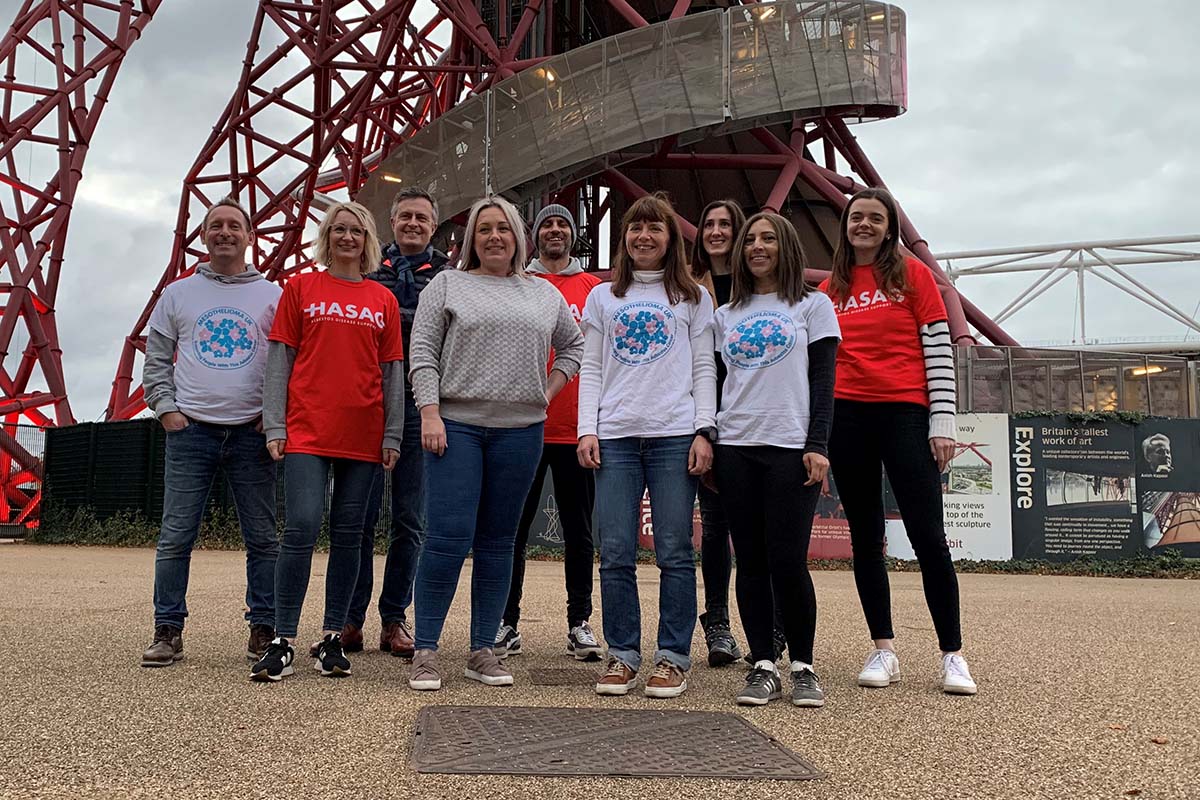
260	637
166	649
396	639
618	678
352	641
668	680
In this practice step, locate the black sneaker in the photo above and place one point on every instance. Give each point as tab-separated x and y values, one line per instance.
722	647
331	662
276	663
508	642
762	686
806	691
582	643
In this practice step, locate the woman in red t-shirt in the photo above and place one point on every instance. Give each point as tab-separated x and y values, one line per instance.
333	402
893	410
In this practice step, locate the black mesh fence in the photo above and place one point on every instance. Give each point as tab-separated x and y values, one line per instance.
19	506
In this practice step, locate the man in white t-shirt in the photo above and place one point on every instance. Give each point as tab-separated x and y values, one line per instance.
206	353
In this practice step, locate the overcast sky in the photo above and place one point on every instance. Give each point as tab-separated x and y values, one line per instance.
1030	122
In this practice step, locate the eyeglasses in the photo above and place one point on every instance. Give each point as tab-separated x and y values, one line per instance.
342	230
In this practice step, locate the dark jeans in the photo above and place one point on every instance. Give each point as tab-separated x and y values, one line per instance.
193	456
406	534
305	479
574	495
894	436
476	490
770	513
630	467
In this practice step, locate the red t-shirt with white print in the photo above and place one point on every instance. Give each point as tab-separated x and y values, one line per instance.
562	416
342	331
880	358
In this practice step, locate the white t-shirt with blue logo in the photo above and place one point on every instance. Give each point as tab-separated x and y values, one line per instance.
220	330
764	344
646	370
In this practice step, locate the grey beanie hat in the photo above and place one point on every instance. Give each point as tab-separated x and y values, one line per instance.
554	210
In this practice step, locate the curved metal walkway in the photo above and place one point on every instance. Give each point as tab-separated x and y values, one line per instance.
575	115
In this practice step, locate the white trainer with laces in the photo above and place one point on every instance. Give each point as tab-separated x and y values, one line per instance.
956	677
881	670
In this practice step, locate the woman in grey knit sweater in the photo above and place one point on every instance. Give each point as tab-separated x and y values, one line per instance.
480	348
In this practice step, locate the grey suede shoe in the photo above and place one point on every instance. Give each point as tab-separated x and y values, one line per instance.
484	666
424	676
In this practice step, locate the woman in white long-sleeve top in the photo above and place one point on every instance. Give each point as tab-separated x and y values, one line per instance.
647	397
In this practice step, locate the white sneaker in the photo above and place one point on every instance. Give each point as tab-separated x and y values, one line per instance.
956	677
881	670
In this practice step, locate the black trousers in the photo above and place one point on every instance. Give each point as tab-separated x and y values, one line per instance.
575	495
868	438
770	514
716	559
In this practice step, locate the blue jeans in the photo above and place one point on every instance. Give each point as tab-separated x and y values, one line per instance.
193	456
407	530
476	490
305	479
627	467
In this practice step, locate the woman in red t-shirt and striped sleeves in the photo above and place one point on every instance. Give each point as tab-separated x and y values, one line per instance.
894	408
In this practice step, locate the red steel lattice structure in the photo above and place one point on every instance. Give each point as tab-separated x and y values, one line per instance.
60	58
330	88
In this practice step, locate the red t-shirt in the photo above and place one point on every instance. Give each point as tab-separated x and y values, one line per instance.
342	331
880	358
562	416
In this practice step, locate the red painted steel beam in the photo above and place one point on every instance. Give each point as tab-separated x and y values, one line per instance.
376	80
59	61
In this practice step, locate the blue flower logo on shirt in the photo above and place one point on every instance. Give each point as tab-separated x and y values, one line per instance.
642	332
225	338
760	340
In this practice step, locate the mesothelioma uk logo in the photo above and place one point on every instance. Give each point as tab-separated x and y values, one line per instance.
642	332
225	338
760	340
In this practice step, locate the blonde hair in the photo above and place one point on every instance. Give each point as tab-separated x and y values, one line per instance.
371	252
470	259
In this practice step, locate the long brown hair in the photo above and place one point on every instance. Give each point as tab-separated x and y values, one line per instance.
891	271
789	271
676	280
701	261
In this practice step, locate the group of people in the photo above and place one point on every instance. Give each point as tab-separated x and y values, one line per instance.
724	375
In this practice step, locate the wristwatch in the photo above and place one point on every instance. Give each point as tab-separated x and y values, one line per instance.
709	433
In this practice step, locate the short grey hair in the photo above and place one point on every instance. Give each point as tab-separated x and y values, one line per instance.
413	193
231	202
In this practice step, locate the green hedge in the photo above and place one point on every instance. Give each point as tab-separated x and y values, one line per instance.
221	532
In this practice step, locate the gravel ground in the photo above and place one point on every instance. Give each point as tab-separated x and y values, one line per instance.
1087	689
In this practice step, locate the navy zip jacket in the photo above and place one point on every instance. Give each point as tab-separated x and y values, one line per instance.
406	276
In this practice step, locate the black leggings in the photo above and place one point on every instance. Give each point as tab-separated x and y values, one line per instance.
895	436
574	496
770	513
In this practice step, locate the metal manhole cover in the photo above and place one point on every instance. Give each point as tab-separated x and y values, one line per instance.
563	676
489	740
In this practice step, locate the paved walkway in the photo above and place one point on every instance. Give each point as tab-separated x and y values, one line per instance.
1088	688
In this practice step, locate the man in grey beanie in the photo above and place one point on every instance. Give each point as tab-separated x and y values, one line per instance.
554	233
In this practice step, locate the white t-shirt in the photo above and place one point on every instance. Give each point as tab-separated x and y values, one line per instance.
647	382
220	330
764	345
